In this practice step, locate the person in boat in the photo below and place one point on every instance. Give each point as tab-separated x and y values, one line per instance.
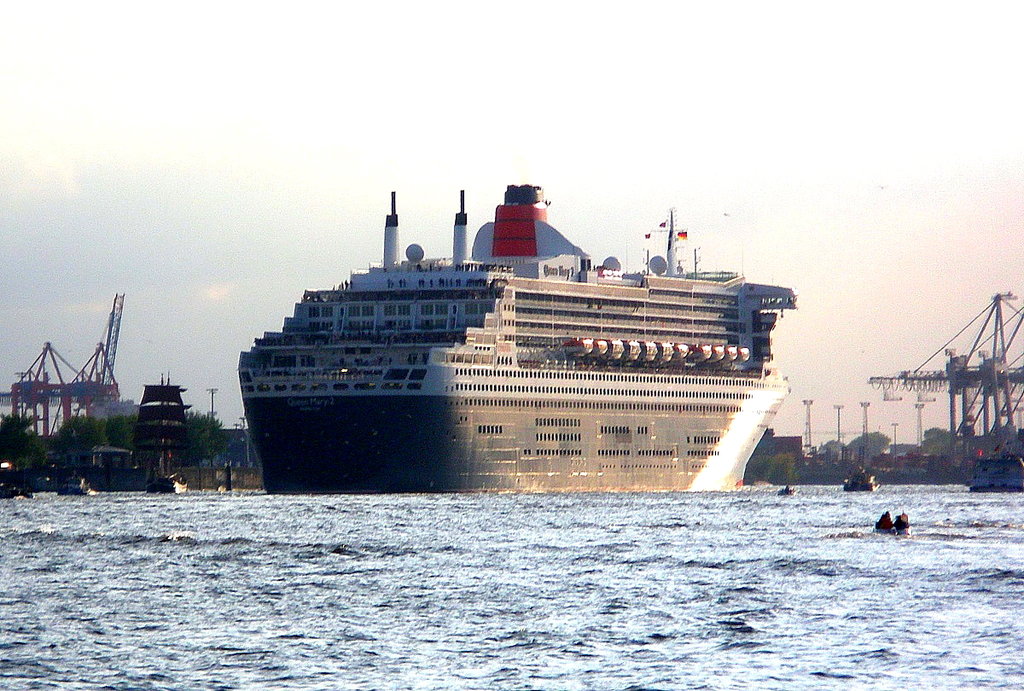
902	522
885	522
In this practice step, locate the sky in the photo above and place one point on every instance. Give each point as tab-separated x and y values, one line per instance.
213	160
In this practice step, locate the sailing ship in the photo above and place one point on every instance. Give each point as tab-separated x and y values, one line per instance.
160	433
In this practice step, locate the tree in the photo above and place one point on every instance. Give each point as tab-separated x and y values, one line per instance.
779	469
205	438
935	442
120	431
873	443
19	444
79	434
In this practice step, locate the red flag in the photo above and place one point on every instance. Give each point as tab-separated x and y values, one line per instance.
647	235
681	235
663	224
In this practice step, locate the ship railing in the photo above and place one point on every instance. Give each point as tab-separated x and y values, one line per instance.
620	367
332	374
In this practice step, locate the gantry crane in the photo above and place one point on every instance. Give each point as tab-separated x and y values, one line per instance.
44	394
985	385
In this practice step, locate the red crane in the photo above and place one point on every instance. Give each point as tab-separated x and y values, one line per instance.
43	393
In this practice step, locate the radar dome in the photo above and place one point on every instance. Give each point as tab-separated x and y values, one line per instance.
414	253
612	264
658	265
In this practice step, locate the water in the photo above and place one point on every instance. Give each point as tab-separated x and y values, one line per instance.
575	591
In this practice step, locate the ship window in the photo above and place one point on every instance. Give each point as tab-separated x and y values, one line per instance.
415	385
396	374
418	374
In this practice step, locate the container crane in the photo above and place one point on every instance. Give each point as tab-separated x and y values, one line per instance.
985	385
43	393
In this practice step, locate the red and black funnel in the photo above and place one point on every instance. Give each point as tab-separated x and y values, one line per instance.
515	230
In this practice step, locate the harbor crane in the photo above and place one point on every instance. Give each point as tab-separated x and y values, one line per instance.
985	384
43	393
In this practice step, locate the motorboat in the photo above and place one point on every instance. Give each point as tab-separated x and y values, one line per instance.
1003	473
860	482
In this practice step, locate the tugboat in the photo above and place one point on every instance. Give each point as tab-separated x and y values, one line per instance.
160	430
1003	473
860	482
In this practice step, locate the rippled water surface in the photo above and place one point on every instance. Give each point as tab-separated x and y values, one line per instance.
563	591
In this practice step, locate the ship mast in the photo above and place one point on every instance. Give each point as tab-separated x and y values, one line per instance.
670	251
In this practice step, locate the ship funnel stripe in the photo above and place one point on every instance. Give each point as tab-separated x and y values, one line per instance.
515	229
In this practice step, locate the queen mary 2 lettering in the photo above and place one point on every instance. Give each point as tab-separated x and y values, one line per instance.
515	365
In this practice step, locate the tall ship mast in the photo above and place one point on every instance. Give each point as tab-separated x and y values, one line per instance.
515	365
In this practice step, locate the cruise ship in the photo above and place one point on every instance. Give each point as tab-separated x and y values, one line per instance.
518	364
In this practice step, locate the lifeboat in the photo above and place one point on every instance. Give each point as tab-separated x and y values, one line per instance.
717	353
579	347
633	350
616	349
731	353
744	354
682	350
650	350
667	351
600	348
701	353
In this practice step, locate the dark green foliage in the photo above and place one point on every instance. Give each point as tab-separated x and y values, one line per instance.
779	469
873	443
936	442
19	444
205	439
79	435
120	431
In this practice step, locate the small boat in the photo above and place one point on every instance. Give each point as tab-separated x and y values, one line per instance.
166	485
786	491
8	491
76	487
1003	473
860	482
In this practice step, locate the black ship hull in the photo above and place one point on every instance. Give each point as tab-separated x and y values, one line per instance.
339	444
354	444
